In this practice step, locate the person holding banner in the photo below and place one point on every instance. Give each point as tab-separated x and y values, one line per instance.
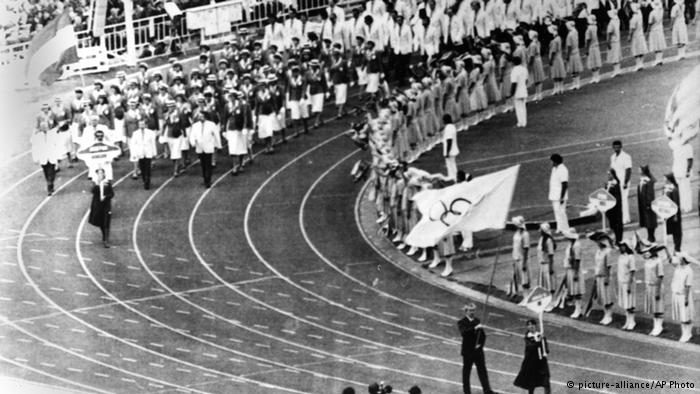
101	205
520	282
534	371
645	195
682	307
473	339
602	269
626	288
674	225
653	284
545	254
574	276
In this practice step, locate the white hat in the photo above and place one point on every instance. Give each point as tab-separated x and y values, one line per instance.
518	221
571	233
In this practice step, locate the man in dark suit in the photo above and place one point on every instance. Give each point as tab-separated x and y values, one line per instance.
473	339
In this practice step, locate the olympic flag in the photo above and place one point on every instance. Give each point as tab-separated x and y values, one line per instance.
480	204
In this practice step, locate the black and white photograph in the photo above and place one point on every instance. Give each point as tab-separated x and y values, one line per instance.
349	196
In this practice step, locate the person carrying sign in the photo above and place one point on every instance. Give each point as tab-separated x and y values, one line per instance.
101	205
534	371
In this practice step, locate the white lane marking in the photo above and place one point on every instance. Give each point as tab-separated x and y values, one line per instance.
109	263
256	273
414	318
392	314
157	255
132	321
254	290
181	259
131	360
209	335
160	345
333	286
338	322
260	326
308	282
284	295
61	254
317	271
7	190
367	328
179	349
313	317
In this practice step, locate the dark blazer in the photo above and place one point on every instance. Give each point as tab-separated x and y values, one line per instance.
645	195
101	210
472	335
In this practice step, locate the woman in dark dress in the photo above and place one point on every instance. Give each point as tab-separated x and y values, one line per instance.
614	214
101	205
534	371
673	224
645	195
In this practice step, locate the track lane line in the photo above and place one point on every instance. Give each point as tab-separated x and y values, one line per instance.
60	379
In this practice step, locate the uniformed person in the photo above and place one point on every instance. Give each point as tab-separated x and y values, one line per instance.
626	285
574	276
520	281
239	122
46	151
545	254
682	307
602	270
653	284
473	340
203	137
143	150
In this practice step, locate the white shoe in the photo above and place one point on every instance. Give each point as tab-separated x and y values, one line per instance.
412	251
658	328
401	246
549	308
423	257
447	272
434	264
631	326
606	320
381	218
397	238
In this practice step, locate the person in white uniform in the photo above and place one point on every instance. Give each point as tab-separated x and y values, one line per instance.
449	146
559	191
682	308
518	89
682	168
621	163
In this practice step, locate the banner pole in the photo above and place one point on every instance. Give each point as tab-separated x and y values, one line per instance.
603	215
493	274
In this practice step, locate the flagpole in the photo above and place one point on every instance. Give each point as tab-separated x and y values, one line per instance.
493	275
130	39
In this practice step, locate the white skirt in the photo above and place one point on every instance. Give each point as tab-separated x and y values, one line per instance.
298	109
281	119
119	132
680	312
237	142
266	125
361	76
372	83
317	102
175	147
341	94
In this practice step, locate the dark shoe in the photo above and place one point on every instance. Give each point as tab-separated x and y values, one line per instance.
106	245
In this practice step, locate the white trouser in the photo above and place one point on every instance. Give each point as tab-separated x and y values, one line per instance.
467	239
625	205
560	215
520	111
684	193
451	164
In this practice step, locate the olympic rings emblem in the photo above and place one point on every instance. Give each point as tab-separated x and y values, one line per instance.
448	215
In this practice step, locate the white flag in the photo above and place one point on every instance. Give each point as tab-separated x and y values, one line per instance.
480	204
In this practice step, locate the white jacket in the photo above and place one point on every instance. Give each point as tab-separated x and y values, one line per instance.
46	147
402	39
203	136
143	144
